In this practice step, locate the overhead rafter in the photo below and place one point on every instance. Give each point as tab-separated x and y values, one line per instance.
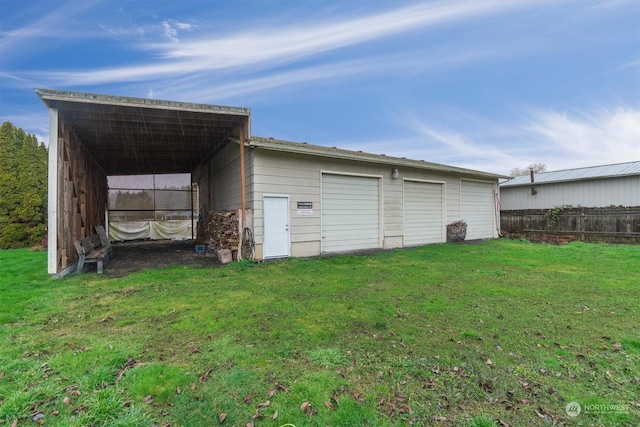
136	136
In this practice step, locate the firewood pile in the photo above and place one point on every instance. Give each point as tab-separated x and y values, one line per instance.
456	231
221	230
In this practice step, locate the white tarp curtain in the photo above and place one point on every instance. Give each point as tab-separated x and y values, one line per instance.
154	230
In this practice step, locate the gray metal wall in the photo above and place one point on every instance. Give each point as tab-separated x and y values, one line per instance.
624	191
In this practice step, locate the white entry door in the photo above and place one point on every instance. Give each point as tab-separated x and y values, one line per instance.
276	227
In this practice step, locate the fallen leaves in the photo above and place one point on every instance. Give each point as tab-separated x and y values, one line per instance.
264	405
306	407
205	375
130	364
278	387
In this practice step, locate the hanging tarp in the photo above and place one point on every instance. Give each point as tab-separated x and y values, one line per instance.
171	230
129	230
154	230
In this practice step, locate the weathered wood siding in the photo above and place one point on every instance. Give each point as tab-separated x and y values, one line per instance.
612	224
80	200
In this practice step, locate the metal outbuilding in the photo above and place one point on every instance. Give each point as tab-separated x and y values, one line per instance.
596	186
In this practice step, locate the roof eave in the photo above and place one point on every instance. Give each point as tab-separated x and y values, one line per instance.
49	95
304	148
560	181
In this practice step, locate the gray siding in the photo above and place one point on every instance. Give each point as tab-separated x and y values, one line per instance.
624	191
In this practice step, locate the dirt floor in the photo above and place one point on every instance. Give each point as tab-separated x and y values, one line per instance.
141	255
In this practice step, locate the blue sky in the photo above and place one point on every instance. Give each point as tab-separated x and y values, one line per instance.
483	84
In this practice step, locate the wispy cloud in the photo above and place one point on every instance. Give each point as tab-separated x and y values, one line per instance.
204	87
611	135
172	28
54	25
309	38
556	138
118	32
267	48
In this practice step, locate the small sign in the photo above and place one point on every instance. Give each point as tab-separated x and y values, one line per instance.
305	208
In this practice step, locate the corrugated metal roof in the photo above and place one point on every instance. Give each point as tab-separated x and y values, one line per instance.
334	152
593	172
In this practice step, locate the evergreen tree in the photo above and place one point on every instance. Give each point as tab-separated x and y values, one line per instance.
23	188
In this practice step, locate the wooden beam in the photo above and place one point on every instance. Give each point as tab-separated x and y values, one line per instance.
243	196
52	196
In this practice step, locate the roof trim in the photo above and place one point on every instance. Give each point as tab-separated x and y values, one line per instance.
333	152
48	95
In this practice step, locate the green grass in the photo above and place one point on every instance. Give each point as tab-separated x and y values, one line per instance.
467	335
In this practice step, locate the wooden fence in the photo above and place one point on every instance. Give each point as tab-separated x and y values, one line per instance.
611	225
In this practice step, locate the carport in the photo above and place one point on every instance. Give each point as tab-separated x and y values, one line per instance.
95	136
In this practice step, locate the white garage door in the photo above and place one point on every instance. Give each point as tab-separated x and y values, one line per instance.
423	213
477	206
350	213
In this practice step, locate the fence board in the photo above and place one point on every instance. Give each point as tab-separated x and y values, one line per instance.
611	225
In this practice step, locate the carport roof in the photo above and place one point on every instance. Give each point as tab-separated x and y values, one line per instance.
136	136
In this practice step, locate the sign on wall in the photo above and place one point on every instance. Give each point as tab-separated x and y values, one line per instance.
305	208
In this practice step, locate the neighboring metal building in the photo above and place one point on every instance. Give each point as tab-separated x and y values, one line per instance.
297	199
597	186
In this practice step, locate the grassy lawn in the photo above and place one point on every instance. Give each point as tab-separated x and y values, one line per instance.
497	333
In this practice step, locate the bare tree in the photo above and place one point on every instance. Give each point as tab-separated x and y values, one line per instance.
535	167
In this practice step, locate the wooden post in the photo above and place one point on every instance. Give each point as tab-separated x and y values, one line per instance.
243	195
52	195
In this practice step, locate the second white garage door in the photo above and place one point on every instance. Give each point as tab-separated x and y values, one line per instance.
350	213
423	213
477	209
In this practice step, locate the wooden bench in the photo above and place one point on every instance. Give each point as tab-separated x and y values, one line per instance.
93	250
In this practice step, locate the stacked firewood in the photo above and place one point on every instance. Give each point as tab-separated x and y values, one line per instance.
456	231
221	230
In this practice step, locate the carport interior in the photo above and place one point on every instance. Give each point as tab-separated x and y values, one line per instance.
94	136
